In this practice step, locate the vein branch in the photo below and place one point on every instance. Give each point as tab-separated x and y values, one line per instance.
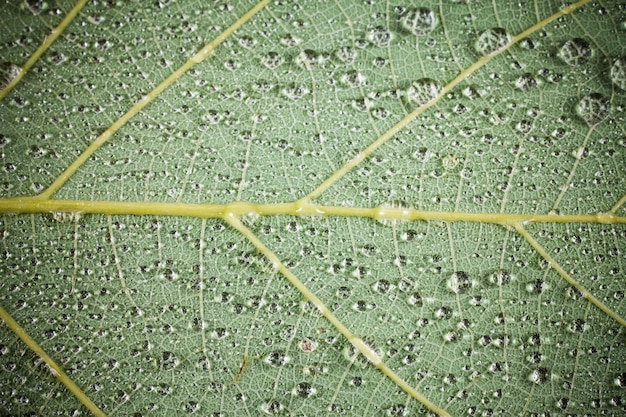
49	40
145	100
571	281
233	220
54	368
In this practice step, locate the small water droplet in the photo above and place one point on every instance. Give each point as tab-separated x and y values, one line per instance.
346	55
8	72
277	359
272	60
304	390
36	6
168	361
272	407
459	282
500	277
420	21
593	109
422	91
308	59
295	91
575	52
526	82
492	40
380	37
353	79
539	376
618	73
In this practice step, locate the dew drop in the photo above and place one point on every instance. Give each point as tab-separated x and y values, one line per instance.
500	277
415	299
307	59
272	60
575	52
593	109
8	72
36	6
295	91
459	282
353	79
620	380
66	217
492	40
539	376
395	205
168	361
526	82
380	37
420	21
346	55
618	73
397	410
304	390
422	91
272	407
277	359
247	42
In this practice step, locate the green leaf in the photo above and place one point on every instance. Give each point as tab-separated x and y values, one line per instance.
312	208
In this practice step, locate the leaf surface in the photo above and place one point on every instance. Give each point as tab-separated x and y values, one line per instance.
326	208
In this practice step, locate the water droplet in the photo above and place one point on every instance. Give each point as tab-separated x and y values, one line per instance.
620	380
539	376
353	79
398	410
593	109
459	282
304	390
307	59
575	52
380	37
443	313
272	60
395	205
492	40
65	217
382	286
36	6
8	72
578	326
295	91
500	277
272	407
618	73
346	54
449	162
277	359
168	361
415	299
422	91
526	82
247	42
420	21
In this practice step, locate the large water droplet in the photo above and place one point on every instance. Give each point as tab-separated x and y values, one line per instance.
382	211
492	40
272	60
593	109
540	376
346	54
304	390
618	73
422	91
36	6
459	282
277	359
8	72
380	36
420	21
500	277
575	52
